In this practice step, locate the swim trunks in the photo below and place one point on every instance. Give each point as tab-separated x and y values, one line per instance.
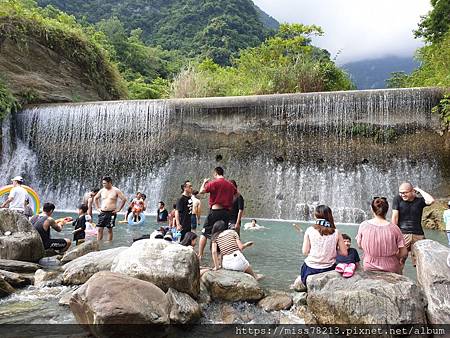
106	219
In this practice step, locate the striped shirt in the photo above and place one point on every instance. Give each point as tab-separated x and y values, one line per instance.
226	242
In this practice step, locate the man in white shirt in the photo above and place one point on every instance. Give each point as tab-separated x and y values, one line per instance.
17	196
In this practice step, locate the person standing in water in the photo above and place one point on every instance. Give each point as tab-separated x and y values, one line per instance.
108	210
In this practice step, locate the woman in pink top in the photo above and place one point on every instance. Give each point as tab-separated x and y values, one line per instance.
381	241
319	244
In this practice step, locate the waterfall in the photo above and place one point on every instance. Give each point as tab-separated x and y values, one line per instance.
287	152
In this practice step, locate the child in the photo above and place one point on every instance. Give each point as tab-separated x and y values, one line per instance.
80	225
27	211
138	201
447	222
91	230
347	264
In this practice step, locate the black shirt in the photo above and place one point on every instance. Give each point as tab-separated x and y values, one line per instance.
409	214
238	204
79	223
184	207
352	257
162	215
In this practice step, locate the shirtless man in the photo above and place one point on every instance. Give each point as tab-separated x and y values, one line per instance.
108	210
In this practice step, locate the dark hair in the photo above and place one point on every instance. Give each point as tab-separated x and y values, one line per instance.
253	219
234	183
195	192
219	171
48	207
95	190
188	238
174	206
347	237
217	229
324	212
144	196
184	184
107	179
83	207
162	203
380	206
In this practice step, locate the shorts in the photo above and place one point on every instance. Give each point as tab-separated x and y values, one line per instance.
410	239
235	261
194	221
56	244
106	219
214	216
306	271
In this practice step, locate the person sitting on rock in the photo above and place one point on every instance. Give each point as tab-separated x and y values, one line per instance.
347	264
382	241
319	244
190	239
230	246
43	222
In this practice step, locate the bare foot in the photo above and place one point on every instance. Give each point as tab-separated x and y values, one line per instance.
259	276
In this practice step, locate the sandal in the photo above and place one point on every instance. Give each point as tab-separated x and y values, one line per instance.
349	270
341	267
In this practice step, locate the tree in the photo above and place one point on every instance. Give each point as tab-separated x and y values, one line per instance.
436	23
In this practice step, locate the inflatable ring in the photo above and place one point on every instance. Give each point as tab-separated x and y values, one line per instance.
35	203
140	222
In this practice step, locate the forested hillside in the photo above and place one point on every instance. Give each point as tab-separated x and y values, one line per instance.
217	29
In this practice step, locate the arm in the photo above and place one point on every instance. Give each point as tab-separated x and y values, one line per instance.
306	245
123	198
97	199
203	187
342	248
402	252
428	198
215	256
394	219
50	222
242	246
177	220
6	203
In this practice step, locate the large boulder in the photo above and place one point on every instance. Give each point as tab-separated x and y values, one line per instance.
165	264
232	286
81	269
16	279
44	278
183	309
365	298
433	275
5	288
18	266
80	250
23	242
113	298
276	302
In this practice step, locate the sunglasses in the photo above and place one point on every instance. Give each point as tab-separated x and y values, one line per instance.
404	192
383	198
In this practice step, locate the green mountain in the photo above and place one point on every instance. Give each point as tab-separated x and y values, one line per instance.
213	28
372	74
267	20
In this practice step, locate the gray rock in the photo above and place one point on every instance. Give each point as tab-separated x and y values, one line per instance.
113	298
18	266
287	317
5	288
232	286
183	309
50	261
203	296
433	275
298	285
80	250
81	269
15	279
299	298
24	242
276	302
44	278
365	298
164	264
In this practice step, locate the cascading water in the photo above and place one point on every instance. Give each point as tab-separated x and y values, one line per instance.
287	152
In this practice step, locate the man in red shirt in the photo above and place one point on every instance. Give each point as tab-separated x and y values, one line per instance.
221	194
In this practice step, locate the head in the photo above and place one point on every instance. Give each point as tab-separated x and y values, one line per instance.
253	222
347	240
217	229
18	180
161	205
107	182
406	191
380	206
323	212
187	188
138	195
94	192
48	208
174	206
218	171
82	209
189	239
143	197
195	193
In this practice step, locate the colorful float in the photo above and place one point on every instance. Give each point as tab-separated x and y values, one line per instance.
35	203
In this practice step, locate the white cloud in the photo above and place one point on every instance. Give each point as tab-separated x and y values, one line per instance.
360	29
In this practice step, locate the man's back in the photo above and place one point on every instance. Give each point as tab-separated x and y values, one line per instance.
221	192
19	195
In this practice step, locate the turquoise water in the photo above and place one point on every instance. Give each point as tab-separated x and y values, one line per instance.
276	252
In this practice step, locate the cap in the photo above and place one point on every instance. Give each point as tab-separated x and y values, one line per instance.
17	178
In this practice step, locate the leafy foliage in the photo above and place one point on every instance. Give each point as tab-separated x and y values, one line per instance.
436	23
284	63
8	103
209	28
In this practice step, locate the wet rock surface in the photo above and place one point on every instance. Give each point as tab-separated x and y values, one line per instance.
80	250
18	266
183	309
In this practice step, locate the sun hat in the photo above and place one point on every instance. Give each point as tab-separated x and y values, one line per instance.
17	178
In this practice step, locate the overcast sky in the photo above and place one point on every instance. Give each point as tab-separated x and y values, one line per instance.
359	29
